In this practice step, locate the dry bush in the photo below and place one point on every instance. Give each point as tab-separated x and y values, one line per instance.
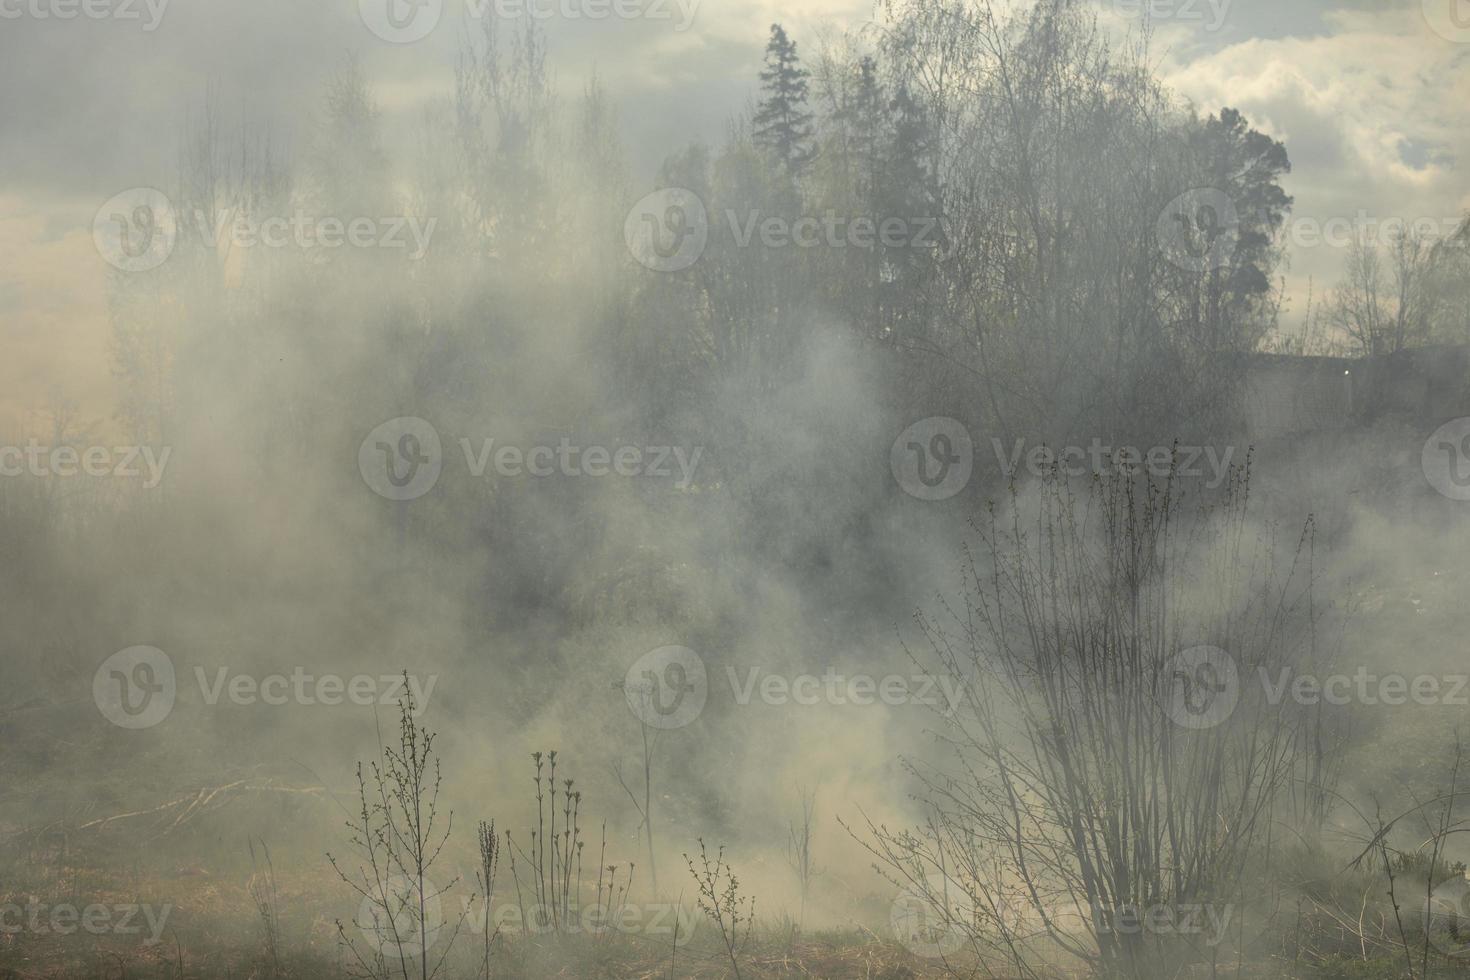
1103	764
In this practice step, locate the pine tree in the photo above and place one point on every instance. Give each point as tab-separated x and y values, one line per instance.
1248	166
864	118
783	123
908	186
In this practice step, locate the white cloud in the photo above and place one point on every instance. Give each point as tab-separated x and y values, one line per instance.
1371	111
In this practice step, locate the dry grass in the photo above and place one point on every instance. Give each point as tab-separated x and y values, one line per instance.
212	931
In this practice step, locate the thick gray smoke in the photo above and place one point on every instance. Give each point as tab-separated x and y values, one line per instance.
912	449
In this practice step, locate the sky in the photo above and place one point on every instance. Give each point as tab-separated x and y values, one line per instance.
1369	97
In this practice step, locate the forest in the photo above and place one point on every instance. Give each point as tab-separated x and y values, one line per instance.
926	529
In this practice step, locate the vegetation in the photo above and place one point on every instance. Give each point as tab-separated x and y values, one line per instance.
991	215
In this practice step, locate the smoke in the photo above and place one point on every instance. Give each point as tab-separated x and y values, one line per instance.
395	407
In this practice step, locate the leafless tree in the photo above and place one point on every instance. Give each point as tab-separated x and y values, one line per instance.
1116	752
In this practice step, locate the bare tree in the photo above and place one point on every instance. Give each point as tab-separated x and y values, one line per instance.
1117	753
1391	297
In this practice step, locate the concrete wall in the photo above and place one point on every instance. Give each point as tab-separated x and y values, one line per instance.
1285	396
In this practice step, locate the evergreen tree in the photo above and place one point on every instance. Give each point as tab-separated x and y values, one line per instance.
783	123
863	119
1234	302
908	186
